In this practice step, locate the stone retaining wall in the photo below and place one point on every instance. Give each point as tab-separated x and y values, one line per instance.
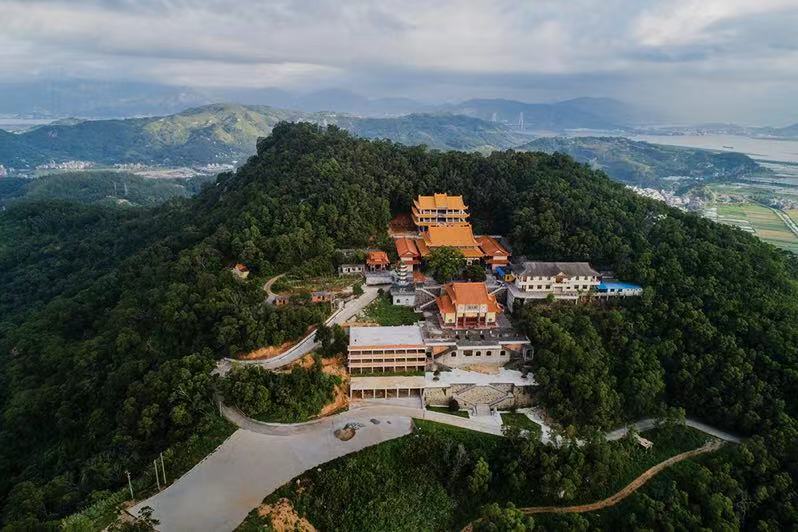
513	396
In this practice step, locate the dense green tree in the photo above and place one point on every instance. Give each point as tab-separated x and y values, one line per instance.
474	272
446	263
479	479
508	519
283	397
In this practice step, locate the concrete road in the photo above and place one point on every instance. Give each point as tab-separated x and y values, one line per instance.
349	310
645	424
270	296
364	409
218	493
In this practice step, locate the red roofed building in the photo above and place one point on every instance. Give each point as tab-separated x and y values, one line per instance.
467	306
494	253
377	260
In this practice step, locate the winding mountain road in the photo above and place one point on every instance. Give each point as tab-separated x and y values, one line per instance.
649	423
307	344
260	457
628	490
270	296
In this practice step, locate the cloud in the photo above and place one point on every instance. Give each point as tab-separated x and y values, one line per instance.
448	49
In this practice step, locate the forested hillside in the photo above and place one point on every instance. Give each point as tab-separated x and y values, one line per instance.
223	133
90	377
644	164
103	187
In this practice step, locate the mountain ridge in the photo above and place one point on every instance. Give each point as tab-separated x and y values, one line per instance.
218	133
646	164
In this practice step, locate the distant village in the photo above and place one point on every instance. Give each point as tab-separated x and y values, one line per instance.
465	348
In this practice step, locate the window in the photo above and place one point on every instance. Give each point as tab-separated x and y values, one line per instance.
503	353
479	353
468	353
488	353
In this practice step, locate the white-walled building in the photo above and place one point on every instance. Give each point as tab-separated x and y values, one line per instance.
562	280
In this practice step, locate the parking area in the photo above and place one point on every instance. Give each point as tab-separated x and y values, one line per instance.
218	493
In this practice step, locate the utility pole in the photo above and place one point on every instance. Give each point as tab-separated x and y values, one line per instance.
157	481
163	470
130	485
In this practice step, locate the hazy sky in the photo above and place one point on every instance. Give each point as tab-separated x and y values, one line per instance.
730	60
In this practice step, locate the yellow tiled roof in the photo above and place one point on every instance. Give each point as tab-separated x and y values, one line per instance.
441	201
456	236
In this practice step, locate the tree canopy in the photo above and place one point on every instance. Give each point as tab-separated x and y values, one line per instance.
446	263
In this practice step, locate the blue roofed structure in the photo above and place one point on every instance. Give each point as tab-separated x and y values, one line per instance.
617	288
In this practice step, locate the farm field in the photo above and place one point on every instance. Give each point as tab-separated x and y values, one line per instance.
758	220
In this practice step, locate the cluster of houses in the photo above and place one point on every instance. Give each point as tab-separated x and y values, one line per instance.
465	348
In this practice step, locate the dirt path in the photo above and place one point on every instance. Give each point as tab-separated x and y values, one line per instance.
633	486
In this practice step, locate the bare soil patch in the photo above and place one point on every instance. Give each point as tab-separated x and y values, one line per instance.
335	366
284	518
330	366
401	223
268	351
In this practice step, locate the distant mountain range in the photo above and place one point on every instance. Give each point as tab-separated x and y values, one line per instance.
645	164
225	133
580	113
97	99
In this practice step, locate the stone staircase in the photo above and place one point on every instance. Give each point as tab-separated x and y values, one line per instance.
490	395
424	298
482	410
